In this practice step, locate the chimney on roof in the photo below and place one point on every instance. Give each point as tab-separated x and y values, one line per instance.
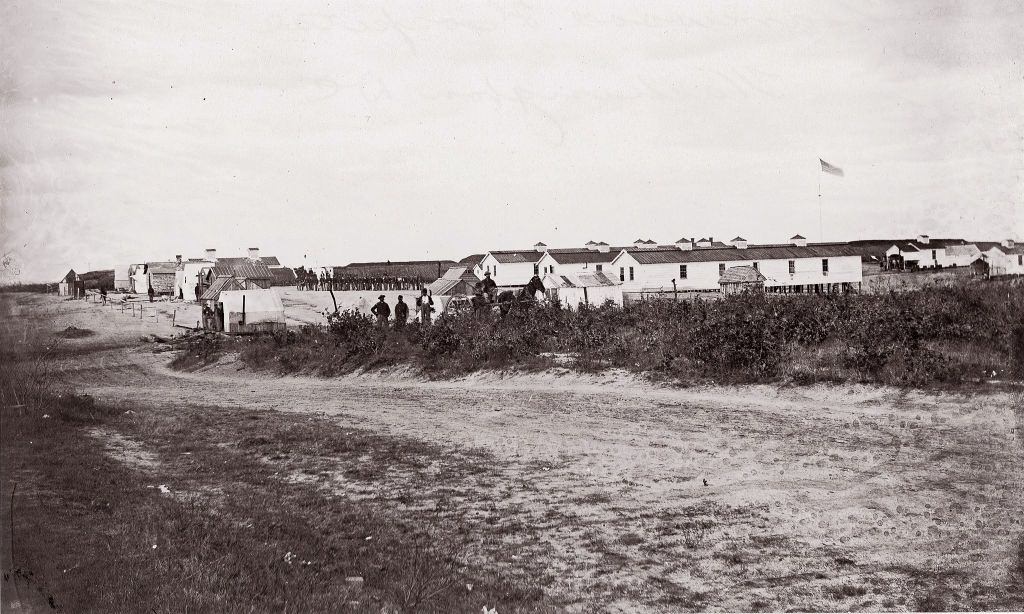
211	254
1008	243
799	241
923	239
540	247
739	243
254	253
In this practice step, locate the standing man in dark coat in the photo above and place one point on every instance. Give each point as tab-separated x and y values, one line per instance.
488	286
381	310
401	312
151	293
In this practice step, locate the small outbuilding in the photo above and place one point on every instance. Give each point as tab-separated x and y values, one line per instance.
457	280
71	285
250	311
122	278
592	288
739	279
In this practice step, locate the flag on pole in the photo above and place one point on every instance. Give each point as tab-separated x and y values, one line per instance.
830	169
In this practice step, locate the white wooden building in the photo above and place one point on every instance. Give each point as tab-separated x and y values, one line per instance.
582	288
594	257
122	278
512	267
927	253
1006	258
794	267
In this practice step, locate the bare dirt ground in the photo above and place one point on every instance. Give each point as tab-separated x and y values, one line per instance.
627	496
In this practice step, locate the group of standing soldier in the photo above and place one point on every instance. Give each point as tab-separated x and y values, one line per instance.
424	309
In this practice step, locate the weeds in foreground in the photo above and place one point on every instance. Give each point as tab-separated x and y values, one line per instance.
931	336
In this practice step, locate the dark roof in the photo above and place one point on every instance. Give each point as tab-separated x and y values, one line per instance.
741	275
580	255
222	283
516	256
754	252
422	269
796	237
458	278
270	260
738	239
69	277
242	267
473	259
282	277
161	268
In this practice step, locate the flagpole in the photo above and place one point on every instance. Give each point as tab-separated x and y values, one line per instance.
821	232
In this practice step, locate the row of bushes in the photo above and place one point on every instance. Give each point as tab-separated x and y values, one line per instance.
929	335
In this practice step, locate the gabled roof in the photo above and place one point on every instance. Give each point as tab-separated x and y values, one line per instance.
797	237
741	275
452	279
472	259
588	279
242	268
516	256
161	268
738	239
729	253
223	282
270	260
69	276
581	255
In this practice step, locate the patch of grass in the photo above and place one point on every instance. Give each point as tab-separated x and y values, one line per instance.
72	332
937	336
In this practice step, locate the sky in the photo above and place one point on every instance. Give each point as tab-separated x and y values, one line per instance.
327	133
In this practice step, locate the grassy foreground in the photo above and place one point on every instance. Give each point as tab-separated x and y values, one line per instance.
934	336
136	509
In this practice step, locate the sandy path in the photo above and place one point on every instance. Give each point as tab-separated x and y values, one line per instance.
798	480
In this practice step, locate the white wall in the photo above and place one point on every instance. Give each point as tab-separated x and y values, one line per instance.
1001	263
514	274
550	260
187	278
572	298
705	275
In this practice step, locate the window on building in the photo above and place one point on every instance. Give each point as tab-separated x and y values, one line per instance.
824	266
630	273
552	268
495	270
598	267
536	269
933	254
721	269
755	267
488	268
622	273
682	271
792	267
1020	260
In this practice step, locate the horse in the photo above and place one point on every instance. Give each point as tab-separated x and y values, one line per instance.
525	297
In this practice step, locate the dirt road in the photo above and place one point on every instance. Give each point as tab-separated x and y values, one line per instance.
637	496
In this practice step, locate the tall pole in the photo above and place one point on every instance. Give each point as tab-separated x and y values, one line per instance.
821	232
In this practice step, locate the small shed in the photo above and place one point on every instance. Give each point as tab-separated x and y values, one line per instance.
980	267
161	276
212	294
251	311
582	288
739	279
122	278
70	285
457	280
